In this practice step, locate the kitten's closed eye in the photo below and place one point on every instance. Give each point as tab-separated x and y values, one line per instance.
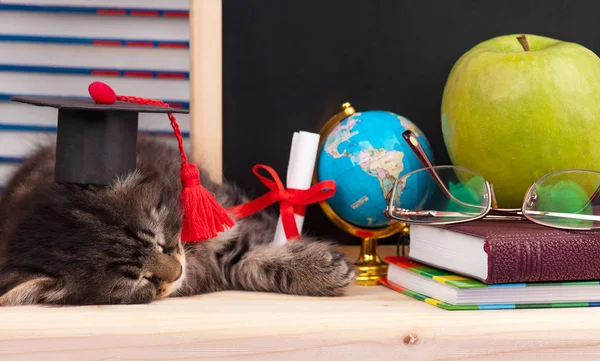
166	249
148	233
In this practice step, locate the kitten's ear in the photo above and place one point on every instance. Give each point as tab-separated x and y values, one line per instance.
26	289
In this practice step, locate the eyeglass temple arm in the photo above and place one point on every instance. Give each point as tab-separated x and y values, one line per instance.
411	138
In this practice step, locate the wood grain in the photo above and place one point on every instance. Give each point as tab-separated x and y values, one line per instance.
369	323
206	86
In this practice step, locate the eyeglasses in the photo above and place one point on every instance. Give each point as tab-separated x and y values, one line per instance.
436	195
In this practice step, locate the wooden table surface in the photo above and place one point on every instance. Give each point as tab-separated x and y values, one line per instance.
369	323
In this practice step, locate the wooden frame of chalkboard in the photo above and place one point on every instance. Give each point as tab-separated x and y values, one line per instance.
206	110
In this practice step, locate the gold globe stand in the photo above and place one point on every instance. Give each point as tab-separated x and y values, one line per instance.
370	268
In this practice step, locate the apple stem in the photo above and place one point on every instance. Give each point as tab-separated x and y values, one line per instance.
523	40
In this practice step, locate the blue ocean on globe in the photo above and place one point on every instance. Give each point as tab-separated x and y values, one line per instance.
364	154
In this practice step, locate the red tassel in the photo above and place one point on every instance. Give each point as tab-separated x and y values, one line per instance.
203	216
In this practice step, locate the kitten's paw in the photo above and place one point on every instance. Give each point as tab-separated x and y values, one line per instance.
315	270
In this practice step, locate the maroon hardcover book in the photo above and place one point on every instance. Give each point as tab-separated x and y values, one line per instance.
508	251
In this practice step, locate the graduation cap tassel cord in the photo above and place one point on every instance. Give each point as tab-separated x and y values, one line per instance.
203	216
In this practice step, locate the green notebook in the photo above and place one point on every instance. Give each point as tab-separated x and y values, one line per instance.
450	291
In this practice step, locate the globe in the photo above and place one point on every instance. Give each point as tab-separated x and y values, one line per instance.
364	154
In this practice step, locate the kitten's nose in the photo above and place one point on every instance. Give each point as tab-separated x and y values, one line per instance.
166	268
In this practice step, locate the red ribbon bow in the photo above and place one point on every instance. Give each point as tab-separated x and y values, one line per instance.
291	201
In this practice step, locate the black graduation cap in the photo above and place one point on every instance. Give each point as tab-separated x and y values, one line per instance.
95	142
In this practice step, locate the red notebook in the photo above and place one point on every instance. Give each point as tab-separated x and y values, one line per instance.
496	251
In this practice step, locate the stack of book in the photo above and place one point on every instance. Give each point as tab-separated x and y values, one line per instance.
58	47
493	264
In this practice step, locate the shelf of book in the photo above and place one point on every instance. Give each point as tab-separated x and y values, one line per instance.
58	47
369	323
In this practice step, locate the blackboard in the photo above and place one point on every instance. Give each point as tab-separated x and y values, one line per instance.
289	65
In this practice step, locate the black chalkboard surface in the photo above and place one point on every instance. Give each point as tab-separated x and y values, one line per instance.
289	65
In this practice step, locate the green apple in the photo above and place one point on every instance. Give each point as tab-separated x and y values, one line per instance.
517	107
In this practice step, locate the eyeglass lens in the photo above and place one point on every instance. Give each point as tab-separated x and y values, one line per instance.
419	197
566	199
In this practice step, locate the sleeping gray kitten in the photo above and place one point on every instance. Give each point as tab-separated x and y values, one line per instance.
73	244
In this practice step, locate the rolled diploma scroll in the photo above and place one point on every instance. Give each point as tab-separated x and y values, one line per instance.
301	165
